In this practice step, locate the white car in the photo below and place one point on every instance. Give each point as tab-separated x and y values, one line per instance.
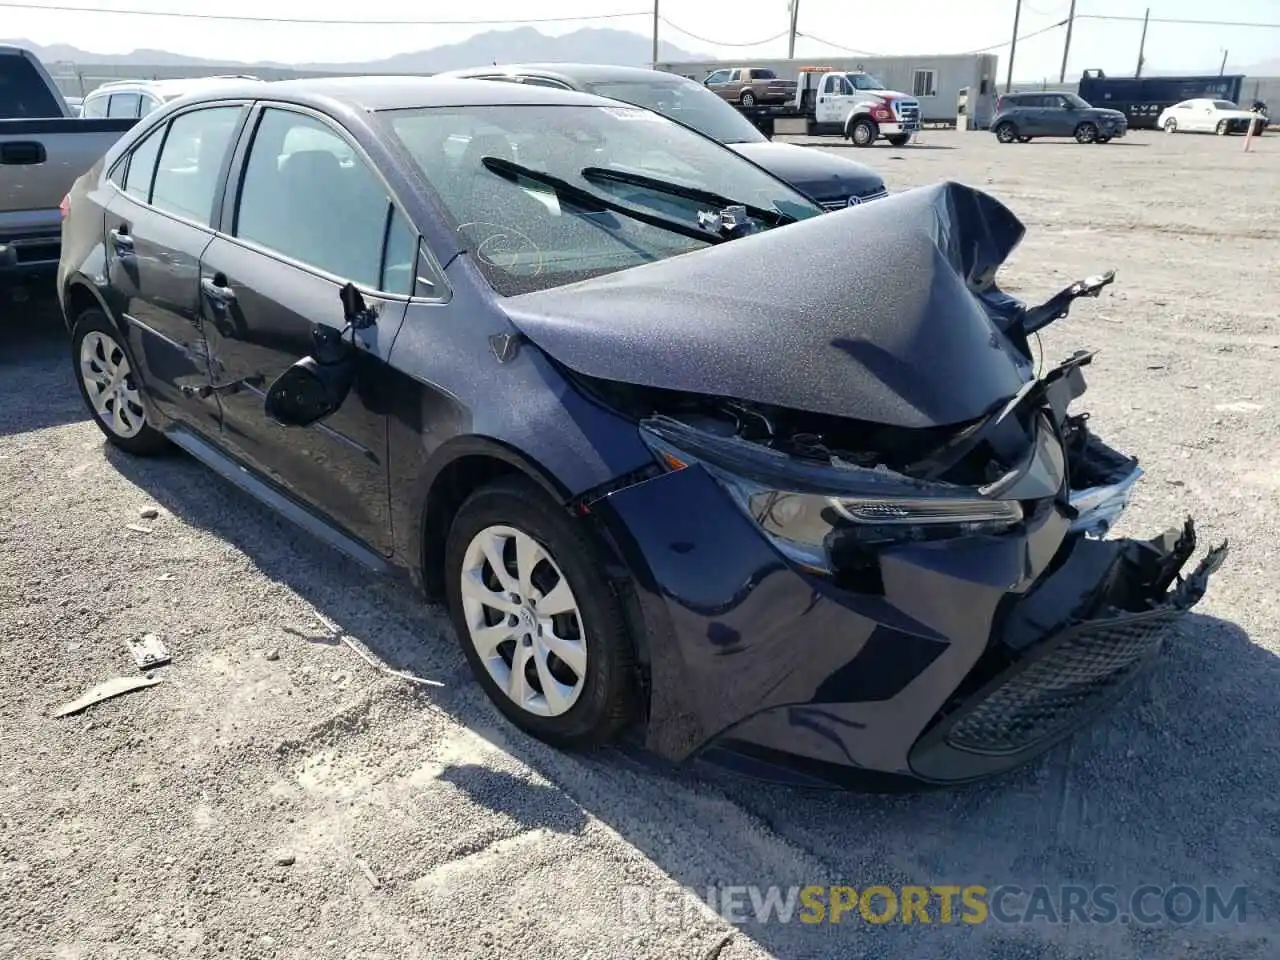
1208	116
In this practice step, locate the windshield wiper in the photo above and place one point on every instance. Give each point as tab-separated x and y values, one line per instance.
774	218
594	203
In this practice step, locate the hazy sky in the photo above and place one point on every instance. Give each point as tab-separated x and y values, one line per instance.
910	26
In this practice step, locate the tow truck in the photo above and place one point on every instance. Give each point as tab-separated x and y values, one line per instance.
847	103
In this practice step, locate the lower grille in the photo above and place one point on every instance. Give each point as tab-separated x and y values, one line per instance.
1039	698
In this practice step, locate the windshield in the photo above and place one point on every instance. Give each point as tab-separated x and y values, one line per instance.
1078	102
865	81
1225	105
524	236
686	102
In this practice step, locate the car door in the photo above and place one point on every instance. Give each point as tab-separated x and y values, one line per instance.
157	225
835	98
716	82
307	215
1053	119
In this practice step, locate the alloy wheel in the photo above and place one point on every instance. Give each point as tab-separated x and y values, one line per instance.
523	620
748	99
1086	133
1006	133
110	385
1171	126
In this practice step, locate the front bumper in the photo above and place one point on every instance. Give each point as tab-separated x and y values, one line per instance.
968	658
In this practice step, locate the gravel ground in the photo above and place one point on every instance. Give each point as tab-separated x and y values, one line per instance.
278	796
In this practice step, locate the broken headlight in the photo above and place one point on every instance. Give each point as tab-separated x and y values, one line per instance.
815	513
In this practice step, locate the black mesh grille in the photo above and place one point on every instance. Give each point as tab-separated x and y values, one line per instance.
1037	699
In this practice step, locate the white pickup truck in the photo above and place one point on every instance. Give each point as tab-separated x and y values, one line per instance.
850	104
44	147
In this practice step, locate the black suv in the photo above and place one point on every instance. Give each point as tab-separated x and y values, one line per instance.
1025	116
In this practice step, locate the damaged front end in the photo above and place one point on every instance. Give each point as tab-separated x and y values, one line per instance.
876	542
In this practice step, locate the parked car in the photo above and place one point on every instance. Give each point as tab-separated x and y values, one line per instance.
1023	117
748	86
137	98
1210	116
43	148
833	182
664	448
75	105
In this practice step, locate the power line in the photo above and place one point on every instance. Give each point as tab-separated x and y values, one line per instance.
722	43
17	5
1021	37
840	46
1193	23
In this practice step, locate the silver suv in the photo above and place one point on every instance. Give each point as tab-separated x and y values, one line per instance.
137	98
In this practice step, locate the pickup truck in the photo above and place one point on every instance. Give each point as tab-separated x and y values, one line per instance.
44	147
748	86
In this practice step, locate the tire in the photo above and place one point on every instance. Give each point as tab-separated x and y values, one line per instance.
748	99
102	363
1222	128
1086	133
1171	125
899	139
864	132
597	692
1006	132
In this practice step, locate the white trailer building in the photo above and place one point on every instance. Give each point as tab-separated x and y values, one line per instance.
941	84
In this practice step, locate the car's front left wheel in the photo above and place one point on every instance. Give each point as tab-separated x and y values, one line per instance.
111	386
541	625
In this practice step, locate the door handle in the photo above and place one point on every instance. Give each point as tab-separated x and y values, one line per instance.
218	293
23	153
121	240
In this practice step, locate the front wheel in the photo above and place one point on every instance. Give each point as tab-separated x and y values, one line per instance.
540	624
1222	128
110	385
863	132
1086	133
1171	125
748	99
1007	132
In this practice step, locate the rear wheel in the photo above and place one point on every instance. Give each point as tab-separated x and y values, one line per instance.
1086	133
748	99
111	386
899	139
1006	132
539	622
863	132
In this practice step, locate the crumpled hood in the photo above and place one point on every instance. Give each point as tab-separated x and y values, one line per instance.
868	312
817	174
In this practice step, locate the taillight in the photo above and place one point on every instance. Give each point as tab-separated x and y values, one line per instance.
999	104
65	206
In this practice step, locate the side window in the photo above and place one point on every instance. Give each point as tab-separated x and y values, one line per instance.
148	104
142	165
123	105
94	106
306	195
402	249
719	76
191	161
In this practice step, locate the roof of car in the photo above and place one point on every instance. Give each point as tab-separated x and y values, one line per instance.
580	72
173	87
398	93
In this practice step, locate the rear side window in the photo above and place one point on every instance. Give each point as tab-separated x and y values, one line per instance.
123	105
94	107
191	162
759	73
24	94
142	165
307	195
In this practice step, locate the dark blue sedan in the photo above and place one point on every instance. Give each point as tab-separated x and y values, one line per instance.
653	429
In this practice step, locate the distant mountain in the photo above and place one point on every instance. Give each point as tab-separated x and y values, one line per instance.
589	45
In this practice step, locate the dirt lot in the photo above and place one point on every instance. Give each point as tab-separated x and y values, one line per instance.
276	796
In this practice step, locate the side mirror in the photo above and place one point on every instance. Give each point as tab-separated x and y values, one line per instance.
316	386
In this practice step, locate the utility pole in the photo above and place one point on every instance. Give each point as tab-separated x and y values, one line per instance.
1222	68
655	34
1142	44
791	41
1066	45
1013	46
